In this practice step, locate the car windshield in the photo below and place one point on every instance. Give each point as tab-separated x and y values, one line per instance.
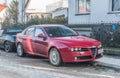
60	31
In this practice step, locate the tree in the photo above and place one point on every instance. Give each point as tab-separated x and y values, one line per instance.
11	14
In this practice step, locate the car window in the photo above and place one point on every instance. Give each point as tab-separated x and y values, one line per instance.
30	32
38	31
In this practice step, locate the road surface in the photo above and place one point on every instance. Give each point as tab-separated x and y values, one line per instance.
12	66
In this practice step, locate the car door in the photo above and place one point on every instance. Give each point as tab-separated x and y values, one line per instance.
27	40
40	44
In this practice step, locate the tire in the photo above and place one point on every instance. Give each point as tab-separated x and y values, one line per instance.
20	51
55	57
8	47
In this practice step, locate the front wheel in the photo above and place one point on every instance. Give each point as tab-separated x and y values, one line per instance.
20	51
8	47
54	57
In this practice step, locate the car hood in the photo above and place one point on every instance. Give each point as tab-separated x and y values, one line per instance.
78	41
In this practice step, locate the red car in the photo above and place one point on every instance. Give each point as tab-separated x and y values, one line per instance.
58	43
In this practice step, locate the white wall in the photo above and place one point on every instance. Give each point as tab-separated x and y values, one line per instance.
57	4
99	13
60	12
100	10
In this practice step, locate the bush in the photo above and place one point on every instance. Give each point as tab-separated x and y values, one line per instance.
37	20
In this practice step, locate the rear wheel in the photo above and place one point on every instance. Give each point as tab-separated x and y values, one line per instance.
20	51
54	57
8	47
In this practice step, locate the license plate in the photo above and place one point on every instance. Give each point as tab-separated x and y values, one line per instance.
100	51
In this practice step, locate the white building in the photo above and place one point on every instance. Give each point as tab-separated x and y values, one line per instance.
32	13
56	5
93	11
61	12
2	15
58	9
3	8
90	12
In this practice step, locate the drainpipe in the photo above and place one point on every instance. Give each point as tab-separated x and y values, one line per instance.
67	14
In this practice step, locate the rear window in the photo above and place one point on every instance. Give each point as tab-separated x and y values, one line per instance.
14	29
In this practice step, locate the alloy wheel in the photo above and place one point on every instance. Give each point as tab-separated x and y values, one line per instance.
54	57
7	47
20	51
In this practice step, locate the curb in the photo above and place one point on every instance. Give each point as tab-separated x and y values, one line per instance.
112	52
115	67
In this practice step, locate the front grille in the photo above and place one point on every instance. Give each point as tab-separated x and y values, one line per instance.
94	51
84	49
84	58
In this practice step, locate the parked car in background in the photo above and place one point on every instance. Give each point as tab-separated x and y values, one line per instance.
58	43
8	37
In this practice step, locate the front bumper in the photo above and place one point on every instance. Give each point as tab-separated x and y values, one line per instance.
68	56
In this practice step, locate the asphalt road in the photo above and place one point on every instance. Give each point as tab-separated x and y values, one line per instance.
12	66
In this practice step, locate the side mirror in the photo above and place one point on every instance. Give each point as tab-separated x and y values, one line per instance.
77	32
41	35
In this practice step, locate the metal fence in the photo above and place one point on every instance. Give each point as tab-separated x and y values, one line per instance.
109	35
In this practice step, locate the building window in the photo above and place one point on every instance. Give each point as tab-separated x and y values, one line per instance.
115	5
83	6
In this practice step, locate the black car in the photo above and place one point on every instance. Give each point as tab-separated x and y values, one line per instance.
8	37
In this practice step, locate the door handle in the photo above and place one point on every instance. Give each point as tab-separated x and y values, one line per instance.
33	40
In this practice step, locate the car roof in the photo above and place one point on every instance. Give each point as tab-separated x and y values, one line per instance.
49	25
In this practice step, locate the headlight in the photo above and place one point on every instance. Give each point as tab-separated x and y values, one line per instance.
72	49
75	49
79	49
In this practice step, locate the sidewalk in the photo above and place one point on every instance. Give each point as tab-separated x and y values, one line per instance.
109	61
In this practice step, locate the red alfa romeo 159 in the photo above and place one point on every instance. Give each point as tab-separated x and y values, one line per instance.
58	43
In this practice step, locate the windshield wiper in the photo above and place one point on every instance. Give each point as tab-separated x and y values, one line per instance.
72	35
